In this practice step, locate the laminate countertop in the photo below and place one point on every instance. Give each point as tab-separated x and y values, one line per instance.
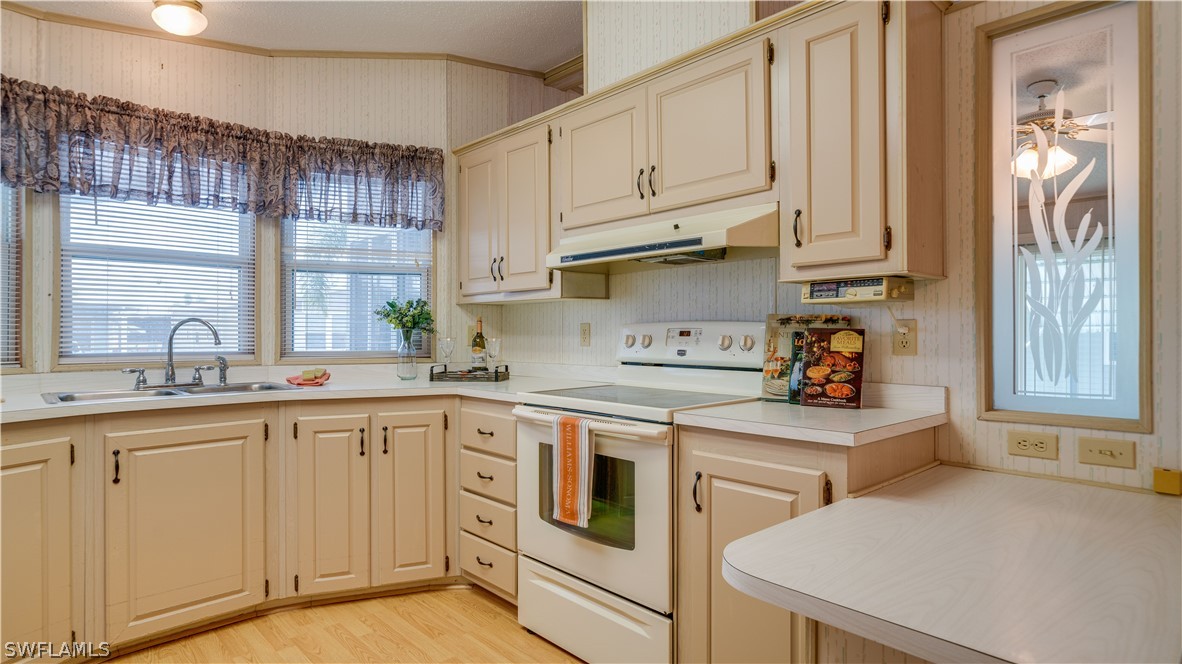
959	565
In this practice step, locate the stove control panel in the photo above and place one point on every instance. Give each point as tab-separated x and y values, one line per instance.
729	344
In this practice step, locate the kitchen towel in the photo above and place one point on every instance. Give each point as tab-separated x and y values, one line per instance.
574	460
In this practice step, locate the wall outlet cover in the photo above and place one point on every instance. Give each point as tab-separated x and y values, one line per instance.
1035	444
905	344
1108	452
584	334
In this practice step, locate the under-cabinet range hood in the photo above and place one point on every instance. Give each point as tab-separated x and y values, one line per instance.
697	239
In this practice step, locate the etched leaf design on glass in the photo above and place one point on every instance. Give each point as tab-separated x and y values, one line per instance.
1059	296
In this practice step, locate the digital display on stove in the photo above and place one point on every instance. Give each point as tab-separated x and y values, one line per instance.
684	333
676	337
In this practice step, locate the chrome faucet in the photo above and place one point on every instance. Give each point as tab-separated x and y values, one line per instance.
169	369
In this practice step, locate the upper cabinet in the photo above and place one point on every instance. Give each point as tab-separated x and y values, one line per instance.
862	139
697	134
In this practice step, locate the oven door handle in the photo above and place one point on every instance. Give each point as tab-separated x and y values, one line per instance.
638	430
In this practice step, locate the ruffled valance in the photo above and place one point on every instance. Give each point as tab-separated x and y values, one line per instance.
54	140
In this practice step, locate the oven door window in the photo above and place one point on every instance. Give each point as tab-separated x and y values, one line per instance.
613	500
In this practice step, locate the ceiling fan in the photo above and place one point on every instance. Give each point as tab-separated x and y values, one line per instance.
1061	120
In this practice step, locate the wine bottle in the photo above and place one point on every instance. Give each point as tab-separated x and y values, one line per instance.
479	363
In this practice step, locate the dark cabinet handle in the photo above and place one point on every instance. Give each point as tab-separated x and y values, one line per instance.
501	268
487	522
362	441
651	189
492	269
640	189
482	562
697	480
482	432
795	224
385	450
483	476
116	480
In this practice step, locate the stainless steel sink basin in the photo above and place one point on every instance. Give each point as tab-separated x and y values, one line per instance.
125	395
235	388
108	395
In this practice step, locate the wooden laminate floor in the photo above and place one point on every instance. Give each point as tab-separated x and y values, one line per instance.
446	625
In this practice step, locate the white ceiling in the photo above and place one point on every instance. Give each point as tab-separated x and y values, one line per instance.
529	34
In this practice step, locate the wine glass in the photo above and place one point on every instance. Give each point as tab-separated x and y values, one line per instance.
447	346
492	348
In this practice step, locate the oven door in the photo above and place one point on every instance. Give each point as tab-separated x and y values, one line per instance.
627	546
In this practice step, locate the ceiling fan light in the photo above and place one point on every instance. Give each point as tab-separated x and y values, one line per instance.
1059	161
180	17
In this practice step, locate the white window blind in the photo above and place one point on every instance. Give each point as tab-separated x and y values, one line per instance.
129	271
333	277
12	229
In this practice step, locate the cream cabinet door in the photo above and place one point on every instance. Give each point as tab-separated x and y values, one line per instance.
737	497
836	138
524	189
408	523
604	166
708	129
36	524
479	224
332	502
184	525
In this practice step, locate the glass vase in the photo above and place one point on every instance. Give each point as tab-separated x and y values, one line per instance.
408	368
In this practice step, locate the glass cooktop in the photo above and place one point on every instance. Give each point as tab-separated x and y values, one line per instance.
632	395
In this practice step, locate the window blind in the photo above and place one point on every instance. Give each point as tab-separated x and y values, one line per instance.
12	229
333	278
129	271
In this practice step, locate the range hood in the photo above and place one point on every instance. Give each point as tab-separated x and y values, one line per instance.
697	239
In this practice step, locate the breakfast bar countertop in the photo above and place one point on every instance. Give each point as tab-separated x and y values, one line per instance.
960	565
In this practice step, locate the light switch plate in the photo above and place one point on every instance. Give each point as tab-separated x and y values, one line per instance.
1033	444
1108	452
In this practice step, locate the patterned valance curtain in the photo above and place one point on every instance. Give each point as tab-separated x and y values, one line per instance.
54	140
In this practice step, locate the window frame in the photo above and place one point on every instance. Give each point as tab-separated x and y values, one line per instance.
56	364
347	357
28	348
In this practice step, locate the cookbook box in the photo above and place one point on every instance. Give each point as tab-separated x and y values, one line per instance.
833	361
783	365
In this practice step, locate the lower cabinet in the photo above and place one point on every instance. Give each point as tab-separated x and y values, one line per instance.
488	496
731	495
184	513
36	540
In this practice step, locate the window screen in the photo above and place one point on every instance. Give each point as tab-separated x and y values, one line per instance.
129	271
12	229
333	277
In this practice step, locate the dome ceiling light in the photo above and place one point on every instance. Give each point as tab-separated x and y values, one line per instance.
180	17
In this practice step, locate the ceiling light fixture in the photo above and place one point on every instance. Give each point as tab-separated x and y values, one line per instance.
180	17
1059	161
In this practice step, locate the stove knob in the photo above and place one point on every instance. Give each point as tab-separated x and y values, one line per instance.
747	343
725	342
629	340
646	340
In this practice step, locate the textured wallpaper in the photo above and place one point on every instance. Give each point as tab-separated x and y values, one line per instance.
548	333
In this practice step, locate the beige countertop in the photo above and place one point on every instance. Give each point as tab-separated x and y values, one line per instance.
959	565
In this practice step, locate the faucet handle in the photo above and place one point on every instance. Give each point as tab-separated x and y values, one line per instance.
223	367
197	372
140	380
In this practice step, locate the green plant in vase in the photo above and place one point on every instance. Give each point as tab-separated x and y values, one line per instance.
406	318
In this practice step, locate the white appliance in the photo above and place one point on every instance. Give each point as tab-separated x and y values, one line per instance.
605	592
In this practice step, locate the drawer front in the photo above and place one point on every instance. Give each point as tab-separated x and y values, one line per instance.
488	476
476	513
488	563
488	432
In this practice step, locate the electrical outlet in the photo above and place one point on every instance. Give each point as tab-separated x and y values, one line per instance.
906	344
584	334
1034	444
1108	452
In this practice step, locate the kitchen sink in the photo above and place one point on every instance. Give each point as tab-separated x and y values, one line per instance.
108	395
196	390
233	388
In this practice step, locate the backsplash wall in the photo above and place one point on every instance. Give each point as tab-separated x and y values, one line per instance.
548	332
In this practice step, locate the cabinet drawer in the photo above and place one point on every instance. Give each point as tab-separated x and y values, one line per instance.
488	432
489	563
488	476
477	512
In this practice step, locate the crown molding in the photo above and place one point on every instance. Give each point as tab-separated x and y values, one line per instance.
566	76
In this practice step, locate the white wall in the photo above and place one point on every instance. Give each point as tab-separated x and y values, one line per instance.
548	333
626	37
